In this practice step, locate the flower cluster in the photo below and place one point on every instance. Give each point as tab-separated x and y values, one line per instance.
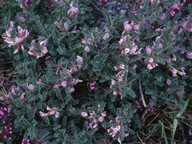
63	27
150	108
119	79
7	130
42	42
94	118
128	46
115	129
175	8
179	71
129	26
150	64
17	41
69	81
138	103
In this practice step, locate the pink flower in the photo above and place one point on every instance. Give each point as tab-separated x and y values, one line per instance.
174	71
151	64
39	82
79	59
106	36
113	82
125	51
26	4
51	111
136	27
64	83
84	114
113	131
31	87
93	124
86	41
178	71
103	2
188	25
66	26
87	49
148	50
127	27
14	89
73	11
135	51
42	114
174	9
101	119
25	141
162	16
58	1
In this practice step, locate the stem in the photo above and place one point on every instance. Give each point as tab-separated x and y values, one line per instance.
141	93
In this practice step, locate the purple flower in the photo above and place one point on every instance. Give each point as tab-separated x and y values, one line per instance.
189	55
127	27
138	104
150	108
92	85
25	141
174	9
26	4
7	130
102	2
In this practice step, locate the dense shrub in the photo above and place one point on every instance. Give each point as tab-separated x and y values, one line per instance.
105	71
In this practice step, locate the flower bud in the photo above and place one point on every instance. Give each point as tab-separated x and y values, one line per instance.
66	26
148	50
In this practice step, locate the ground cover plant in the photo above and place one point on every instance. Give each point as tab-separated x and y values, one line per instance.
95	71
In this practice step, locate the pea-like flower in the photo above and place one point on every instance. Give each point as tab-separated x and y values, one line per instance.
51	111
73	11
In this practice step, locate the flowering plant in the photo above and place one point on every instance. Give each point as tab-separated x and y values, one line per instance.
95	71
